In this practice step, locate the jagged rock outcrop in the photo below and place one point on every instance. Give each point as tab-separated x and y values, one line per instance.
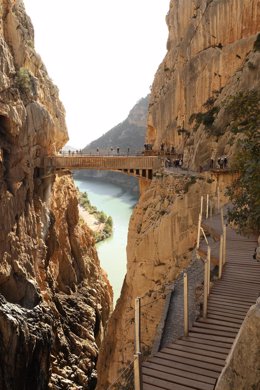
54	297
213	52
242	370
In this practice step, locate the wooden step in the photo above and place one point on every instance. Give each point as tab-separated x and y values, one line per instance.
192	349
194	356
155	383
244	301
207	342
224	339
175	371
213	332
175	379
234	291
204	325
193	344
189	361
220	322
182	367
224	317
213	309
229	302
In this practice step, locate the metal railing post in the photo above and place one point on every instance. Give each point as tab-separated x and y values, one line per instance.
205	297
207	207
199	227
222	218
208	258
201	205
224	243
220	257
138	354
218	199
186	303
138	371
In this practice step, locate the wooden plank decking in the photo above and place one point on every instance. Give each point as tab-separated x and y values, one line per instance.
195	362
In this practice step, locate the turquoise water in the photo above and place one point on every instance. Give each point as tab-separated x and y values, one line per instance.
118	203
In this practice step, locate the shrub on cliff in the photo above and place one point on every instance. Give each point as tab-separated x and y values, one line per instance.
244	111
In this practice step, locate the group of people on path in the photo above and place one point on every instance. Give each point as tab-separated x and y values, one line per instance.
222	162
173	163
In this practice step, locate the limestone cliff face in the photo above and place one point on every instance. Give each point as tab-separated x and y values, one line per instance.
54	298
211	54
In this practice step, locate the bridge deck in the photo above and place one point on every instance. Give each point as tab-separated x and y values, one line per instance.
196	361
103	162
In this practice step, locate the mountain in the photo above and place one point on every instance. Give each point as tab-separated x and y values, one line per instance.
128	134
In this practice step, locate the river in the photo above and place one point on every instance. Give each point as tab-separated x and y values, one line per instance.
118	203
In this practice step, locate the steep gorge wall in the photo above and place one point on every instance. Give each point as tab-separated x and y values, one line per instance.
211	54
210	42
54	297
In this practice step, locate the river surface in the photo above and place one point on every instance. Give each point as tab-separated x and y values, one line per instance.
118	203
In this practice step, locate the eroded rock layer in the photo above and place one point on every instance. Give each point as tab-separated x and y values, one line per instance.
54	298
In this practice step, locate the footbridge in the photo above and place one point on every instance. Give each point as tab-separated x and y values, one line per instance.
140	166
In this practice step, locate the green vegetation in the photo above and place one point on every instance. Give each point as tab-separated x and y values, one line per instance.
24	80
207	118
99	215
244	112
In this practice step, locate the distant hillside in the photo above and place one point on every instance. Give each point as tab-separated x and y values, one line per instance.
128	134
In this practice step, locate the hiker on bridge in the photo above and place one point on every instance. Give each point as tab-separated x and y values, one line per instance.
162	148
117	150
97	150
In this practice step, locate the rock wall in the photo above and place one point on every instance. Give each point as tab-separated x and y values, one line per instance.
208	46
242	370
54	297
212	54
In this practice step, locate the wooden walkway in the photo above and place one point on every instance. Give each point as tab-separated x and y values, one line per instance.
195	362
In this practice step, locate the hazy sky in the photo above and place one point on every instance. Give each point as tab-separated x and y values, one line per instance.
102	55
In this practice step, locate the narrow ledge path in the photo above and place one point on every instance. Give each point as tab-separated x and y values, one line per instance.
195	362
